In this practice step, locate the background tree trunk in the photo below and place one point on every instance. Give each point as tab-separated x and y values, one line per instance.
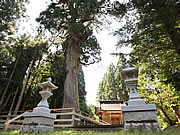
7	100
29	87
12	104
176	111
24	86
7	86
170	122
71	97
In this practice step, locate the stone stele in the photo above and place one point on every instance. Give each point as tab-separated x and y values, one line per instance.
137	115
40	120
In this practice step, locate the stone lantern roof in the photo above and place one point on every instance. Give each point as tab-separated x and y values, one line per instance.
129	73
48	84
130	76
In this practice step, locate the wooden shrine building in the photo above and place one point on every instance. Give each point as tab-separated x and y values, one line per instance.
110	111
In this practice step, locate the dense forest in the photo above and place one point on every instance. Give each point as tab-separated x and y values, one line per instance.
150	27
152	30
27	60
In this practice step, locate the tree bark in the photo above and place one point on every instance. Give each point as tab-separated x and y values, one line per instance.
176	111
71	96
24	86
28	92
170	122
12	104
7	100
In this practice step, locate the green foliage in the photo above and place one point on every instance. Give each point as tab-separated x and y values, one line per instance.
10	12
57	72
82	93
153	33
112	87
160	16
154	36
164	96
90	51
74	19
17	53
54	66
18	57
106	87
14	64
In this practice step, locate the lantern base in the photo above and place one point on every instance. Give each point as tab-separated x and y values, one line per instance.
140	117
38	122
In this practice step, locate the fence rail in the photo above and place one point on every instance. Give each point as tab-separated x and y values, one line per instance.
65	117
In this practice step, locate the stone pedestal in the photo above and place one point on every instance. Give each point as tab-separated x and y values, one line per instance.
137	115
40	120
140	117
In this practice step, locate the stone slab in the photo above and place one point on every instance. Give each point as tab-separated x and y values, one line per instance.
140	116
34	114
136	102
153	126
35	128
133	108
38	121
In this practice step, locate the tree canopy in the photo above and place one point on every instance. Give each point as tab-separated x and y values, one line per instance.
73	20
153	34
152	30
11	11
28	60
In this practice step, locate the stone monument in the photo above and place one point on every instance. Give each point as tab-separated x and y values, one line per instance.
137	115
40	120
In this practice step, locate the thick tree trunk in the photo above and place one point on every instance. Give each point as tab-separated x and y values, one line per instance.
71	96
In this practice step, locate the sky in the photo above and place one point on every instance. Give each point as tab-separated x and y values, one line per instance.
95	72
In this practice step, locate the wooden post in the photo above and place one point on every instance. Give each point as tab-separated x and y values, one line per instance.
6	126
79	122
73	117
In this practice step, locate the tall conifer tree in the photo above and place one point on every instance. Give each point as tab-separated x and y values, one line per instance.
73	20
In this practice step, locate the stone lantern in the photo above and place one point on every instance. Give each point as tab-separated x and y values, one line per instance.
130	76
40	119
138	114
43	105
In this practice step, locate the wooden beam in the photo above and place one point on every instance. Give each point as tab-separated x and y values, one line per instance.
69	125
63	120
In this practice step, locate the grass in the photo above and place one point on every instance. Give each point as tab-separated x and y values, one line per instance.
170	131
